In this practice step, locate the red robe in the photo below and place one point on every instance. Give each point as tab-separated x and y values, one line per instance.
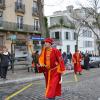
76	60
52	72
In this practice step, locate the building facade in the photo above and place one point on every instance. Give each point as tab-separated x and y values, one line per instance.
19	25
65	39
64	32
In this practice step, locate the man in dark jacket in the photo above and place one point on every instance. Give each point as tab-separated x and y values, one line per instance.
86	61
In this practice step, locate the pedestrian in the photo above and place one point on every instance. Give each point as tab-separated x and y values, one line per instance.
52	65
77	57
4	56
86	61
35	57
70	57
0	60
64	55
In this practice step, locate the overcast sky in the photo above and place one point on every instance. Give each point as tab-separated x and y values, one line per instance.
55	5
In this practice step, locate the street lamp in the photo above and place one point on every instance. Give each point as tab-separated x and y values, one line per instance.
12	37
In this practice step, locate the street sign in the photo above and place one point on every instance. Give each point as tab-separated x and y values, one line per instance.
37	38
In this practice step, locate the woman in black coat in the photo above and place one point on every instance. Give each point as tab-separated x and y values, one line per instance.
4	56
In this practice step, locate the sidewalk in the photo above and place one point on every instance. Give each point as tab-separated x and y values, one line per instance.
22	75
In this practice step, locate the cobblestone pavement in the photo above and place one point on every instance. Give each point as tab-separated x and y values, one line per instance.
87	88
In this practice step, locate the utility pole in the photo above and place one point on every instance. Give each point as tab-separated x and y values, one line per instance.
41	17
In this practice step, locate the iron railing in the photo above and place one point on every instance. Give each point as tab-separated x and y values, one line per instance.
14	27
2	4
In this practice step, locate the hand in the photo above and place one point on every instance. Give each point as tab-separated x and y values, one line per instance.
64	72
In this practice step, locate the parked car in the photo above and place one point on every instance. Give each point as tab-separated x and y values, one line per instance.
93	63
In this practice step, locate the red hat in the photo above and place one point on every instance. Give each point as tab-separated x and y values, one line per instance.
50	40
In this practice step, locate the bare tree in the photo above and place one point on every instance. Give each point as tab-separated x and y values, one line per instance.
76	22
92	19
41	17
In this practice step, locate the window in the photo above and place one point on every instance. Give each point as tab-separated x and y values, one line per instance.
35	7
0	1
87	33
36	25
52	35
75	36
88	43
57	35
19	4
68	48
67	35
19	1
20	22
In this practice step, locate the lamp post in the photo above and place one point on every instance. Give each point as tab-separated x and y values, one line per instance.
12	37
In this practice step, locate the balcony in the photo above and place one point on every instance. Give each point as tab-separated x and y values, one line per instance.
8	26
35	12
2	4
19	8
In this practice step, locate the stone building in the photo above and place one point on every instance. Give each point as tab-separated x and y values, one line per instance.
19	25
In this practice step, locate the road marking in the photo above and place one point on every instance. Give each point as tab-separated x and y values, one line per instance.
14	94
21	90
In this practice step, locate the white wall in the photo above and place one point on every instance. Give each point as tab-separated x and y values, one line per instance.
72	42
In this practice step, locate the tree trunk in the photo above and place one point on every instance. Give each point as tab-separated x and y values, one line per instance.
76	47
41	18
98	49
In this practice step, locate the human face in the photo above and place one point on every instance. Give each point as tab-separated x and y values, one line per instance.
4	49
47	45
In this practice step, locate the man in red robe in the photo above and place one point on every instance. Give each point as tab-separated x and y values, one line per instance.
52	65
77	57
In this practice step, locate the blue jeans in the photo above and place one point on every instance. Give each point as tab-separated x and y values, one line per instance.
51	98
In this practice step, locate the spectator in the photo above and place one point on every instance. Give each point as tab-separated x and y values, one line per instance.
4	62
35	60
0	60
70	57
64	55
86	61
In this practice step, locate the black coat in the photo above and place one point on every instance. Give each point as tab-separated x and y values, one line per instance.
4	60
86	61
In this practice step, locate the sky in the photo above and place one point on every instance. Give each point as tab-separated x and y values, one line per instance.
51	6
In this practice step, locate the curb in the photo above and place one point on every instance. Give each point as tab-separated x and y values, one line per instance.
28	79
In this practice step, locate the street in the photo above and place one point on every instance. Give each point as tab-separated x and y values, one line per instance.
87	88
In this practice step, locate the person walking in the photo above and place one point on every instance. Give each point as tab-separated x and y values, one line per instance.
70	57
52	65
35	57
76	60
4	56
64	55
86	61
